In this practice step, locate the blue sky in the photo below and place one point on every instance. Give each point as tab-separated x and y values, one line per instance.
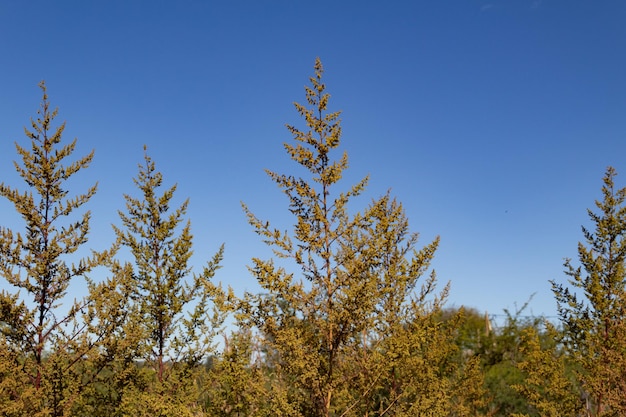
491	121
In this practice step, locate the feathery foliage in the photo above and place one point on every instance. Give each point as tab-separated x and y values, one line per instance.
176	310
592	307
37	263
355	316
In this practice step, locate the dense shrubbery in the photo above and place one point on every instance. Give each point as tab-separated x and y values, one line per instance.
358	328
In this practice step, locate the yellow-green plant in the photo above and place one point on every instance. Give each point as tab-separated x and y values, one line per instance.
177	310
592	305
547	379
43	340
346	329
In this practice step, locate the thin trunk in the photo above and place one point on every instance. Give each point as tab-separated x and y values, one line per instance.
47	278
329	289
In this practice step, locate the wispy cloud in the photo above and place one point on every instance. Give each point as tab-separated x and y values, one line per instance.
486	7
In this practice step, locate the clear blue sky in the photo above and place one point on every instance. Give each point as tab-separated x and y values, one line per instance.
492	121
